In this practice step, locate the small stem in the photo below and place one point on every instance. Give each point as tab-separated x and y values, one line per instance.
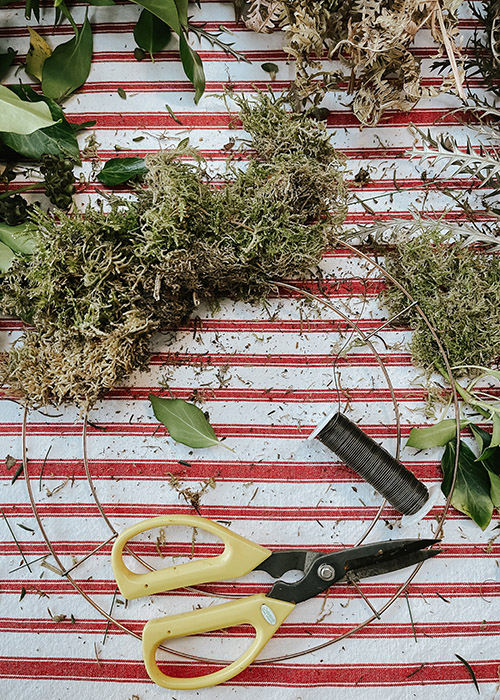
26	188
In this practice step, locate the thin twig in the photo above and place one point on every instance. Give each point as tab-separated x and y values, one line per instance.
15	540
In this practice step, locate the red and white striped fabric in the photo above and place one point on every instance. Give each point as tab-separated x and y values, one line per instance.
265	377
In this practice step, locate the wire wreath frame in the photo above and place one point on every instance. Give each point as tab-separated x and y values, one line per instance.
402	588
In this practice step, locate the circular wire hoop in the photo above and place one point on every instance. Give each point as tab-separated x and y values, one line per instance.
402	587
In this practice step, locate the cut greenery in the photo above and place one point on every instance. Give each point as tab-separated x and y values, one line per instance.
99	284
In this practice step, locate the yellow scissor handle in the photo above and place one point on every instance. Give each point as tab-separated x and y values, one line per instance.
238	558
264	614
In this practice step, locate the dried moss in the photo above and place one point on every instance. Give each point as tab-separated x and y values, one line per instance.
458	287
100	284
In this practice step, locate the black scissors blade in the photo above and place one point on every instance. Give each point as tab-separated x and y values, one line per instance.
355	563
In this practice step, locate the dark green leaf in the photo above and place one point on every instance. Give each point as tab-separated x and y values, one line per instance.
118	170
488	454
270	68
6	60
471	494
173	115
182	10
56	140
122	93
5	2
185	422
69	66
138	138
151	33
32	6
139	54
23	593
183	144
435	435
165	10
83	125
490	458
469	668
193	67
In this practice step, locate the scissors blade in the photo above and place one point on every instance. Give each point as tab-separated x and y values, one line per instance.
356	562
280	563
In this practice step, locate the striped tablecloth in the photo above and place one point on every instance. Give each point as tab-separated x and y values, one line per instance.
264	374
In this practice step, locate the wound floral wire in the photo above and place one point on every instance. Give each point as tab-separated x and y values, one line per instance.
401	589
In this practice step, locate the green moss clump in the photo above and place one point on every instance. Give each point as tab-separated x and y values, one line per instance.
458	287
99	284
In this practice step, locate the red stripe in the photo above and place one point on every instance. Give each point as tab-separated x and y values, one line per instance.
281	675
270	360
223	431
225	120
236	471
226	515
287	630
442	589
273	395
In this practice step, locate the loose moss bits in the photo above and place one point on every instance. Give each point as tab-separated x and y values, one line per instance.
458	287
100	284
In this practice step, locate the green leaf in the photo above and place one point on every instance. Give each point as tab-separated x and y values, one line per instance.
173	115
495	438
6	60
483	439
270	68
6	257
193	67
122	93
182	11
18	238
185	422
20	117
59	139
469	669
151	33
69	66
38	53
165	10
435	435
471	494
118	170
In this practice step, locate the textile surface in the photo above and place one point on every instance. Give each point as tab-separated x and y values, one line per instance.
265	375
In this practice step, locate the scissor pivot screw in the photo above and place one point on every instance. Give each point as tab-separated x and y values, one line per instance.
326	572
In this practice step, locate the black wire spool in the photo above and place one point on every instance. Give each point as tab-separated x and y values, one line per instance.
373	463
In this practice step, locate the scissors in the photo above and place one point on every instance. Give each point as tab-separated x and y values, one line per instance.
265	612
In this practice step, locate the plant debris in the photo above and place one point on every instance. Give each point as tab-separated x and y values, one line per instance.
100	283
372	39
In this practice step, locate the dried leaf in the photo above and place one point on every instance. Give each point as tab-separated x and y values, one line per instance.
37	54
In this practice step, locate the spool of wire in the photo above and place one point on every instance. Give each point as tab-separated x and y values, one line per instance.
373	463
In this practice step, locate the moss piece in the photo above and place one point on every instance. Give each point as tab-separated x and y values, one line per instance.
458	287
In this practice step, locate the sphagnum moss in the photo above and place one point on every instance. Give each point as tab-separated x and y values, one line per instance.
100	284
458	287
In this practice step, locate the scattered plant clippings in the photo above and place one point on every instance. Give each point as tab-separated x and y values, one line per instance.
122	93
23	593
184	421
470	670
372	39
10	461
